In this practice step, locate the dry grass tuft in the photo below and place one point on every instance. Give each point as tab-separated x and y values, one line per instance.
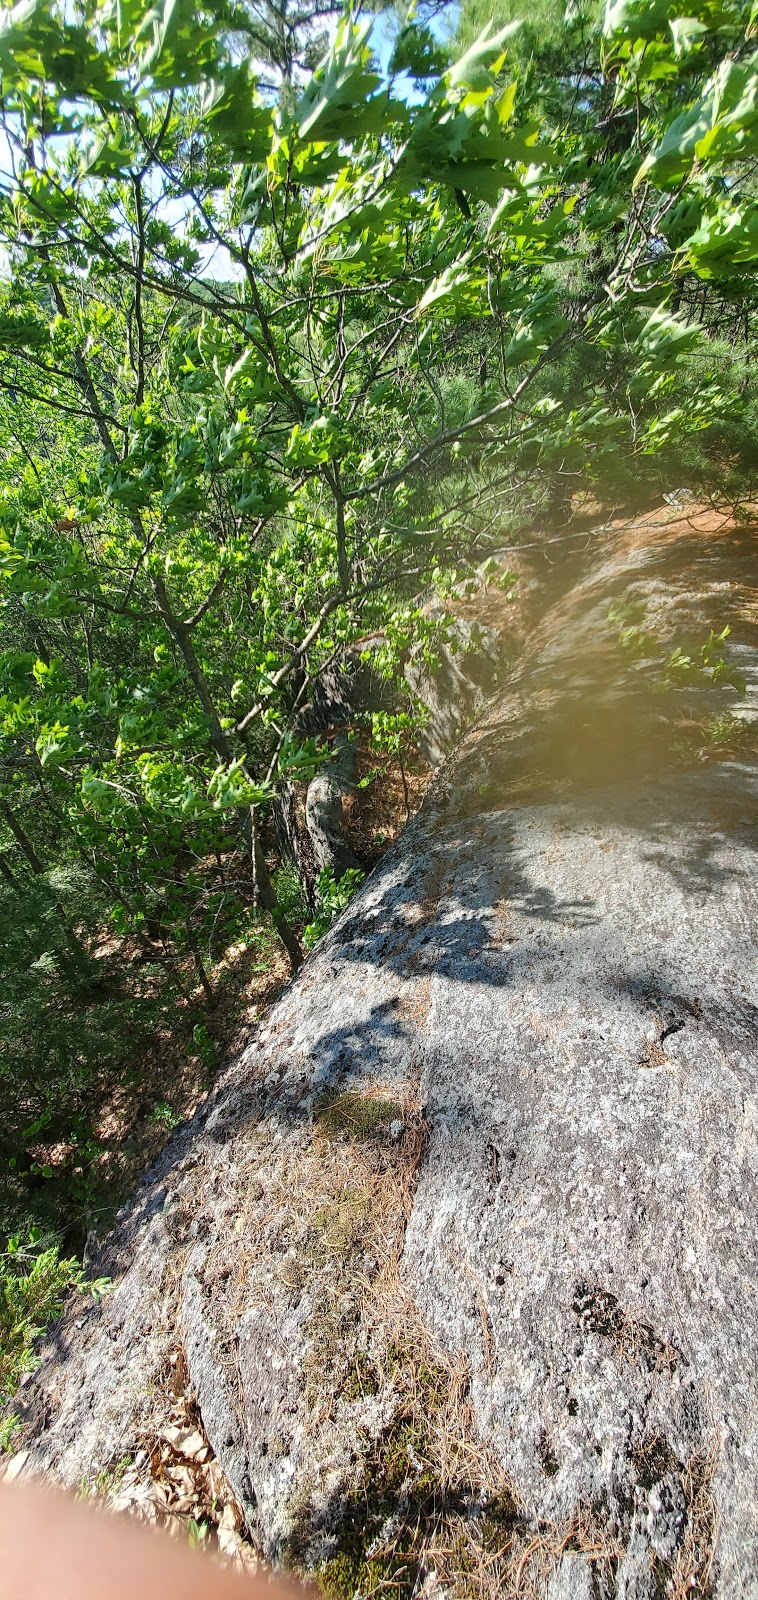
497	1556
691	1577
430	1509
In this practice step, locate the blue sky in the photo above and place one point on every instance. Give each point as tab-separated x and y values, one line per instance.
216	261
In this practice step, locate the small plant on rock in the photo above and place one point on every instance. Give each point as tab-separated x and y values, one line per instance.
332	896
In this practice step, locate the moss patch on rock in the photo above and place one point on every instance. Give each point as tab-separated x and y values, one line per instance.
354	1115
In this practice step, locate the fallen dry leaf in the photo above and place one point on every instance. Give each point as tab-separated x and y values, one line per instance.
187	1442
15	1466
231	1517
182	1479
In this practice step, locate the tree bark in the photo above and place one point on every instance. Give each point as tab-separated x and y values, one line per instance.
270	903
22	838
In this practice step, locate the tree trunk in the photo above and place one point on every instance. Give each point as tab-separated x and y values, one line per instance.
295	843
21	837
183	637
222	746
74	959
8	873
270	903
200	968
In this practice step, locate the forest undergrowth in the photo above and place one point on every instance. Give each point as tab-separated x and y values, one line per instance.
117	1108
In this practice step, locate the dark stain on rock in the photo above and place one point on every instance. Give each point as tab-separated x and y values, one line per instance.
547	1455
653	1458
601	1313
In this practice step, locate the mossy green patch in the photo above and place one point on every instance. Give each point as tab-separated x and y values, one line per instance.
392	1517
362	1379
340	1224
357	1116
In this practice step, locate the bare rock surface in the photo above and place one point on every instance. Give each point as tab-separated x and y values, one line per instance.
500	1128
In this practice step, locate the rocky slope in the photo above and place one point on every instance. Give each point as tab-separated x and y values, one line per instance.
460	1252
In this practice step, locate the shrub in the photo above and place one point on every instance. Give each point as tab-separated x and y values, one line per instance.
331	899
33	1283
